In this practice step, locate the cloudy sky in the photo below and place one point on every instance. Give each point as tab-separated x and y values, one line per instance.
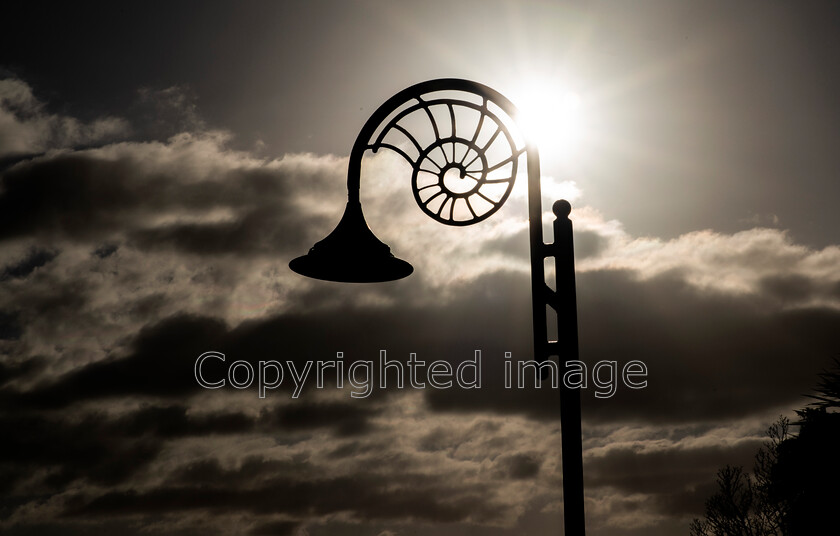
161	165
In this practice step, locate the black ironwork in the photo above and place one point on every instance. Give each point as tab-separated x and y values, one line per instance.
461	151
351	253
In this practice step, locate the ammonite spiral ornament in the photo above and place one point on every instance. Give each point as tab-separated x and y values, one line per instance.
464	171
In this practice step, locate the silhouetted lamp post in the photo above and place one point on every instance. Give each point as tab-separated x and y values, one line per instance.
463	171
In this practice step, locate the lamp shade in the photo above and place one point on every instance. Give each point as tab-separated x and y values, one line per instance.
351	254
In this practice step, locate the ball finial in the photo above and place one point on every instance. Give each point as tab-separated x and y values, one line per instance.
562	208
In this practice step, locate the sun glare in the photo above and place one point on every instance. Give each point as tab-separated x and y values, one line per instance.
551	117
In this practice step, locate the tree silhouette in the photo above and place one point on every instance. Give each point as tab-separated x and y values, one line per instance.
743	505
794	487
828	389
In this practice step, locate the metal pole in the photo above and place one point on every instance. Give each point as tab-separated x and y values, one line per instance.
565	303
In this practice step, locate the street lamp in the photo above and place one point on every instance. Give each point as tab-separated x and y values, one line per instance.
461	175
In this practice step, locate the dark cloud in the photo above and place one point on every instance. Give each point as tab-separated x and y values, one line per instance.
437	439
518	466
45	297
251	471
71	194
173	421
348	419
163	358
257	231
102	449
90	196
10	328
515	244
105	250
364	497
108	450
674	482
274	528
709	356
588	244
664	471
28	127
790	288
13	370
685	383
35	259
147	308
86	449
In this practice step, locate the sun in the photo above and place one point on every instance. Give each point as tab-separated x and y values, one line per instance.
552	117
